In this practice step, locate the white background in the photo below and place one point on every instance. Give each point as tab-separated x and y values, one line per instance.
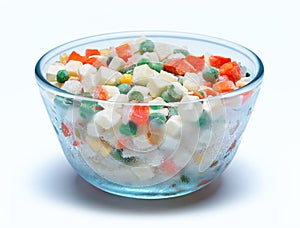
40	189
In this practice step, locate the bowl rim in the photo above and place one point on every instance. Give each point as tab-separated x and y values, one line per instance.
44	83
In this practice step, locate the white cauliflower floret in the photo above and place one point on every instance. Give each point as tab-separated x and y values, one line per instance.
72	86
142	74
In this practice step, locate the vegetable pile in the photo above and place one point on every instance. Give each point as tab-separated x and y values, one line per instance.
164	131
144	71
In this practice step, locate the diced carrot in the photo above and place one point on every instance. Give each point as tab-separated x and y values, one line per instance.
171	65
204	182
169	166
76	143
246	96
208	84
179	66
100	93
128	63
123	141
95	62
124	51
119	145
218	61
224	86
184	66
232	145
197	62
223	78
232	70
65	130
90	52
140	114
210	92
76	56
198	94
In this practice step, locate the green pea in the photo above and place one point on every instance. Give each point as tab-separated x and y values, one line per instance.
88	109
144	61
136	96
157	119
166	97
248	74
124	88
62	76
173	93
156	107
210	74
182	51
129	69
157	66
86	94
146	46
128	129
204	119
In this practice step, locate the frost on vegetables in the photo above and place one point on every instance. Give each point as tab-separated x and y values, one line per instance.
143	110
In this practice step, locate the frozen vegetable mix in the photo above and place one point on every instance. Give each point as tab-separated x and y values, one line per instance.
144	113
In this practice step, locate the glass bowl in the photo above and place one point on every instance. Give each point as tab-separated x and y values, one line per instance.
158	161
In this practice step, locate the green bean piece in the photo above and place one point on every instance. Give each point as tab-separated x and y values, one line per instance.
86	94
166	97
129	69
184	179
157	66
156	107
180	80
146	46
63	102
172	111
128	129
118	155
204	119
176	96
144	61
88	109
182	51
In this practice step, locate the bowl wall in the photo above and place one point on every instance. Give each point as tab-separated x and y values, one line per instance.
158	161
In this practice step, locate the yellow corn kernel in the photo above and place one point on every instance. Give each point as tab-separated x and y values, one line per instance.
75	77
97	145
105	52
73	73
126	79
106	148
198	158
94	143
240	84
63	58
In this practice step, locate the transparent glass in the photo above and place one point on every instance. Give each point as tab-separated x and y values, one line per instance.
159	161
